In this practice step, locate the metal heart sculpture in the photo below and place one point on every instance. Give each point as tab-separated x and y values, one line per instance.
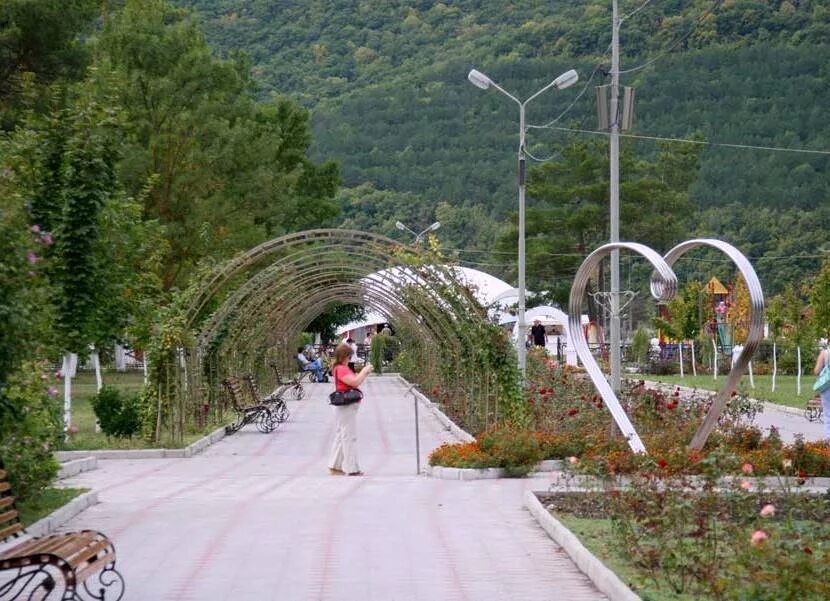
664	287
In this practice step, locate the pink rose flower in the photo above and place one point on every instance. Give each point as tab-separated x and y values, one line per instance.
31	258
572	460
767	510
746	485
759	537
746	468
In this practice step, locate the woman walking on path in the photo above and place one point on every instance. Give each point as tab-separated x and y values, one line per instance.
824	359
343	458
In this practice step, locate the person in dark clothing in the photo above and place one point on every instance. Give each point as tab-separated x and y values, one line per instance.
537	333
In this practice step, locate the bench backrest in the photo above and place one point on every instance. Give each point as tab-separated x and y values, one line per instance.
234	388
10	525
252	387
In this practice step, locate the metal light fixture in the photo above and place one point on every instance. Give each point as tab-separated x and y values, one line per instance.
418	237
480	80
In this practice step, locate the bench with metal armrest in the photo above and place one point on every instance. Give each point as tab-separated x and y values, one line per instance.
295	385
74	566
247	413
274	401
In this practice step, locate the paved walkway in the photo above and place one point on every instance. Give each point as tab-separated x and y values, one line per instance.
257	516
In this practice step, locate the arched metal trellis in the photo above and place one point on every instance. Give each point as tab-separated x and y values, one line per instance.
250	311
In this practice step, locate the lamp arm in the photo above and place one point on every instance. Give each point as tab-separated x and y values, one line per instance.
506	93
542	91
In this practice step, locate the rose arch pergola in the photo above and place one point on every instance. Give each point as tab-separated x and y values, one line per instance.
246	315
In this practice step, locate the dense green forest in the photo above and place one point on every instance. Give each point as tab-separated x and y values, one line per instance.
386	84
278	116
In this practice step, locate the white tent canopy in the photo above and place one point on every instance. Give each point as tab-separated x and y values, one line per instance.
556	325
372	318
487	289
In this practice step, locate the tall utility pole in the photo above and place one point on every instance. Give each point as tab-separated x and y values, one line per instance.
614	356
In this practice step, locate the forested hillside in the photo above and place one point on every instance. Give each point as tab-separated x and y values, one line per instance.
390	101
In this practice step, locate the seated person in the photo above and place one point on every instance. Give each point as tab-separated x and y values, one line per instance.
313	366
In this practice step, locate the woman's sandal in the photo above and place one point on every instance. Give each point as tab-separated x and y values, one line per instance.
336	472
357	473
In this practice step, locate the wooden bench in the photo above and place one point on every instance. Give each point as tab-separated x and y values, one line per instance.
295	385
274	401
30	567
246	413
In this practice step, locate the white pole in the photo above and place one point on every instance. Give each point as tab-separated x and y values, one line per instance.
694	367
99	382
751	377
715	360
522	338
774	366
144	367
614	216
680	355
798	376
96	364
67	395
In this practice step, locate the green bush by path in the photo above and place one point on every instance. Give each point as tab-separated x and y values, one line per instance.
83	434
30	428
117	412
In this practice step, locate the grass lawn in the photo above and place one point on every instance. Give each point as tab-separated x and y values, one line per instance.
785	386
51	499
83	417
596	535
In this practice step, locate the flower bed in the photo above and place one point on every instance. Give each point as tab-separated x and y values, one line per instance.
678	538
564	418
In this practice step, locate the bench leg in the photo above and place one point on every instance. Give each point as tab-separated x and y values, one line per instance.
106	585
31	582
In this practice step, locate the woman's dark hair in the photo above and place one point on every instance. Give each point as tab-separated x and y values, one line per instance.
350	340
342	354
299	350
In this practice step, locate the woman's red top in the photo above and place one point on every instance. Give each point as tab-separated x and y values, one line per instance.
341	370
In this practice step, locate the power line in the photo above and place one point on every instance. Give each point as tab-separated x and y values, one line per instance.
636	257
677	43
581	93
635	11
688	141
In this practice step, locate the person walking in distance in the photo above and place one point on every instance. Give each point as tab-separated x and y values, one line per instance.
822	360
537	333
343	458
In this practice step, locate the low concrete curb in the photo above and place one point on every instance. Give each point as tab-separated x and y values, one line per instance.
188	451
604	579
457	473
57	518
77	466
450	425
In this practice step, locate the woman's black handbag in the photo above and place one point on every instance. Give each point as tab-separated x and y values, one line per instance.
352	395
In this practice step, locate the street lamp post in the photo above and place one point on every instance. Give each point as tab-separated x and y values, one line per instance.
480	80
418	237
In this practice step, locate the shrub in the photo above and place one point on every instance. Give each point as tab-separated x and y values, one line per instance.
376	352
30	428
515	449
464	455
117	414
640	345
